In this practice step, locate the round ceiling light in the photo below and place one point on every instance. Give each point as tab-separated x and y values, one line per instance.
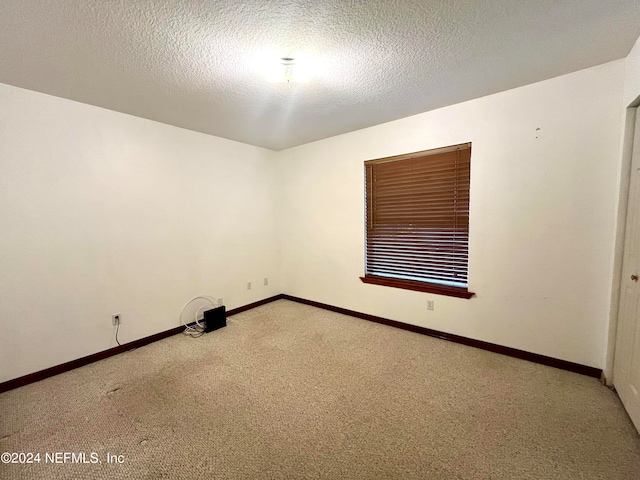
289	69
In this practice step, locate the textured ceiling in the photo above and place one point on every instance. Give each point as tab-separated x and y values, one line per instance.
190	62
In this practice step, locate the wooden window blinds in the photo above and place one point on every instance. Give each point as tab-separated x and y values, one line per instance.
417	220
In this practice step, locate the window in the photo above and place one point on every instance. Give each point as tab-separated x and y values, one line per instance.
417	221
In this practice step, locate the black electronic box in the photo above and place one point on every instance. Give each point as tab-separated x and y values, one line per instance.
215	318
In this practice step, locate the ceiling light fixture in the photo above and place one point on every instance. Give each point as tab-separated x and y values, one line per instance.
288	69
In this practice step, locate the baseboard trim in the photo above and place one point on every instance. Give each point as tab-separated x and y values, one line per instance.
81	362
259	303
492	347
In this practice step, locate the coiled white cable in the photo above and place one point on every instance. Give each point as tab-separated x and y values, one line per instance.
198	329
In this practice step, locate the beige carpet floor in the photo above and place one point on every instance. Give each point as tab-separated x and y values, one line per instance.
291	391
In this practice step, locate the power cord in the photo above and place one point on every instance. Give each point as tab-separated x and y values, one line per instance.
117	329
193	331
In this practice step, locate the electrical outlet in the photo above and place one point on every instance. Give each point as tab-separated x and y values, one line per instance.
266	281
220	301
248	285
430	304
115	319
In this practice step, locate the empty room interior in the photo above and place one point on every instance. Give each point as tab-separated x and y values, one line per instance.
320	239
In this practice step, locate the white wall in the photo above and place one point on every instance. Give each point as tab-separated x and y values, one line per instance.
632	75
102	212
543	209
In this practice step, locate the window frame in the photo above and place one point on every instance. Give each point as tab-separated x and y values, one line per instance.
416	285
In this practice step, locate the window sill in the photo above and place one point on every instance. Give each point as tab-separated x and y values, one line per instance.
419	286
